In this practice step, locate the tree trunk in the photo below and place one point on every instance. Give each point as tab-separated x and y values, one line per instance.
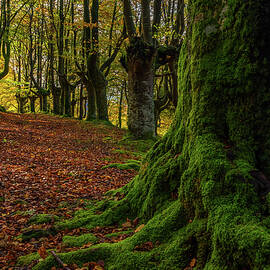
98	83
32	104
202	191
45	103
141	123
21	101
91	104
101	100
56	93
203	186
81	103
121	105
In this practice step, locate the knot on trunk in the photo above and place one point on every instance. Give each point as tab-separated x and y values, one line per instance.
140	51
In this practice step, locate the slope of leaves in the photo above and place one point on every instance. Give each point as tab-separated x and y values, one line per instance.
49	167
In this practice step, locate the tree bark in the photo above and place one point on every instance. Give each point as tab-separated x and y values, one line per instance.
141	119
98	84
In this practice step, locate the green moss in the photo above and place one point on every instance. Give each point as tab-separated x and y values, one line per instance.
26	260
116	212
129	165
78	241
43	218
36	234
102	122
116	234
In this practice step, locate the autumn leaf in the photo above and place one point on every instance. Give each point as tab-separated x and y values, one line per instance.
139	228
193	262
42	252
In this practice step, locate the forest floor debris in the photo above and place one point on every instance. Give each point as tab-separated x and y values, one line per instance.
49	168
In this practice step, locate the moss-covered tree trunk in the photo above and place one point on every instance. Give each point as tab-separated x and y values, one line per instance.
216	157
202	191
204	184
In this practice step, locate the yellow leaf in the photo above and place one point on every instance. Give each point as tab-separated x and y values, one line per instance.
139	228
193	262
98	267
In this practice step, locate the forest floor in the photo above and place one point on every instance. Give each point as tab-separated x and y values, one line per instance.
54	166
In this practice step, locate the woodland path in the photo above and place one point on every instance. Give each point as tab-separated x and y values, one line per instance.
51	165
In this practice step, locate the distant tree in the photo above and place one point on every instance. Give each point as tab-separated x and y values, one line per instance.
144	56
4	35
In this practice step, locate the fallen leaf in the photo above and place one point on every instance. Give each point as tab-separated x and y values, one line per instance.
139	228
193	262
42	252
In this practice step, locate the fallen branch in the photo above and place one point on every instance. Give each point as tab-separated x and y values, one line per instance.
59	260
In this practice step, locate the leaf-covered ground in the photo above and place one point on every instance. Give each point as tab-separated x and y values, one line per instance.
52	165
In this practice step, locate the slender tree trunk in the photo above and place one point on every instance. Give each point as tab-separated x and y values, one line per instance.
65	91
120	104
56	101
91	113
45	102
81	103
91	95
98	83
4	36
32	104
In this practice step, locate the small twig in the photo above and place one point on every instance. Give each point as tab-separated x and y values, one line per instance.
59	260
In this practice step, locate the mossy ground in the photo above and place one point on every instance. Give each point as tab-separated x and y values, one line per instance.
43	218
78	241
129	165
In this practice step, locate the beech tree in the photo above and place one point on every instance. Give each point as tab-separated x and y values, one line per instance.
202	191
145	55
